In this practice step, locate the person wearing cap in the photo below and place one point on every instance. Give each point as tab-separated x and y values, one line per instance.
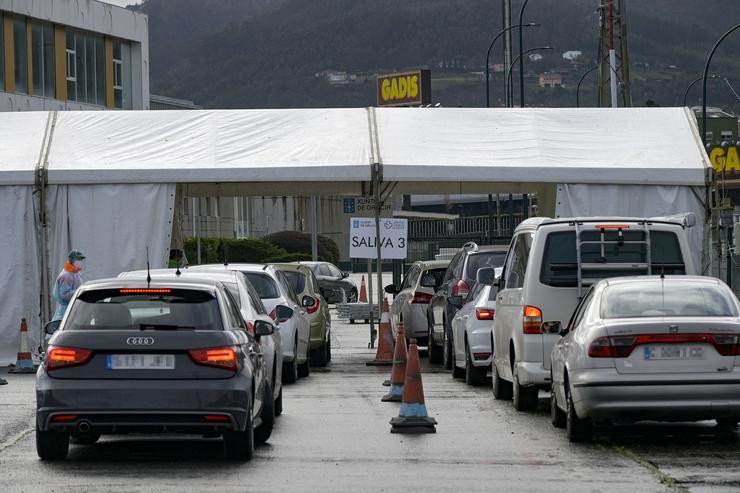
67	282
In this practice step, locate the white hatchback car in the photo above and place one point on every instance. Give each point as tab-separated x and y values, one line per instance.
649	347
472	330
411	300
549	263
276	293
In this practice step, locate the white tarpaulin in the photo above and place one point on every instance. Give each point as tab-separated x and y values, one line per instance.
635	201
20	274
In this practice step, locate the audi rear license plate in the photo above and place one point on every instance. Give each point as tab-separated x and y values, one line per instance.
140	362
675	352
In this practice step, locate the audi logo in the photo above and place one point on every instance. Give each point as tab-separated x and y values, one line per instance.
140	341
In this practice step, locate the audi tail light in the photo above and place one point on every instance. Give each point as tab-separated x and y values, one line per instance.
64	357
460	289
532	320
312	308
421	297
484	313
622	346
222	357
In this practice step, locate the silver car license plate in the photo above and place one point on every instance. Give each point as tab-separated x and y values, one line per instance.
140	362
673	352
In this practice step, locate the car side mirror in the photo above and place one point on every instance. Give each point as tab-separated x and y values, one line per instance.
553	327
283	313
486	276
263	328
52	326
456	301
307	301
428	281
345	275
391	289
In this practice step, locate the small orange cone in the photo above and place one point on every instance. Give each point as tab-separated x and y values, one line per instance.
363	291
413	417
384	354
24	363
398	373
401	330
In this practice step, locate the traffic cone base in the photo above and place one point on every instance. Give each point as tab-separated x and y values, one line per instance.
3	381
24	362
387	383
413	426
384	354
394	394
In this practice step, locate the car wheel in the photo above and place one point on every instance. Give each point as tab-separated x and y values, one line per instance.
525	398
239	445
51	445
447	350
267	416
279	403
304	370
86	439
501	387
579	430
319	356
474	375
557	415
290	371
435	352
457	372
328	347
352	296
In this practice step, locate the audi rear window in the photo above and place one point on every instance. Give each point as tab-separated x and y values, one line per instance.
559	267
265	285
145	309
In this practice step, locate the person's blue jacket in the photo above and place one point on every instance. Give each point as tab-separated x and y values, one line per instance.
67	282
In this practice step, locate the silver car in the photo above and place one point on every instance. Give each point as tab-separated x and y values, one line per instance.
170	356
648	348
411	299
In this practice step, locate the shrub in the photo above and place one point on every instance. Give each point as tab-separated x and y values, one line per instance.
296	241
288	257
216	250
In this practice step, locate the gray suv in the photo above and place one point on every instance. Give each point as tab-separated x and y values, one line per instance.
173	355
457	282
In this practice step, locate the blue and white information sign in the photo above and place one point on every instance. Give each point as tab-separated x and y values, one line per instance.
393	238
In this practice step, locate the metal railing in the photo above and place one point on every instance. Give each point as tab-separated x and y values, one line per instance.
474	226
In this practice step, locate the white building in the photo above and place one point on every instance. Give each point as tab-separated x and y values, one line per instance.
72	55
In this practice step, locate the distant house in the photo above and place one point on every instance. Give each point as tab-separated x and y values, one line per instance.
572	55
551	80
535	57
337	78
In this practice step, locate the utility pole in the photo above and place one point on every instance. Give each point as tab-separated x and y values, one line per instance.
506	16
613	57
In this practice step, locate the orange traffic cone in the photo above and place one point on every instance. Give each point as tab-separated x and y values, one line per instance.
384	354
363	291
412	417
24	363
398	373
401	330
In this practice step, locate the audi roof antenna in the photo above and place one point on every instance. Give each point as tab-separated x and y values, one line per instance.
226	255
148	275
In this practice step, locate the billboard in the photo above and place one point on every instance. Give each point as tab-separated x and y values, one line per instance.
405	88
363	238
725	160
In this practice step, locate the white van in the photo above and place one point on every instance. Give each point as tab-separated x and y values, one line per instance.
549	266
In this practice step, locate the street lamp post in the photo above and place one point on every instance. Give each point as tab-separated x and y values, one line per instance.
704	83
578	88
508	73
488	56
686	93
521	59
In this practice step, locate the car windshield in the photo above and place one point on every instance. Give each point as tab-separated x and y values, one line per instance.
667	298
145	309
265	285
297	280
484	259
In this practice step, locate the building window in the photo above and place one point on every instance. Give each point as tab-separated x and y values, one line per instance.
726	136
42	57
85	68
20	53
122	75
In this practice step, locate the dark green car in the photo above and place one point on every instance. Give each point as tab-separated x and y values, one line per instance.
304	283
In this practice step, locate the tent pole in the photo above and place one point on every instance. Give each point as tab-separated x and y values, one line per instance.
314	233
373	334
379	260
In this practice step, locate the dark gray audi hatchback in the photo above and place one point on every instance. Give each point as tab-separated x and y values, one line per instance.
166	356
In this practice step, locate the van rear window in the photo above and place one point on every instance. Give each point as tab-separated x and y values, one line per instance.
559	267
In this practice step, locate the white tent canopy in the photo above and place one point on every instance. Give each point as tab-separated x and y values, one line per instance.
105	182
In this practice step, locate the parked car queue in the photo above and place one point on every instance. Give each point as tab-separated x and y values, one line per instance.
607	314
203	350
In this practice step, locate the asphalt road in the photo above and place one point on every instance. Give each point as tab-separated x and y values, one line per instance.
334	436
